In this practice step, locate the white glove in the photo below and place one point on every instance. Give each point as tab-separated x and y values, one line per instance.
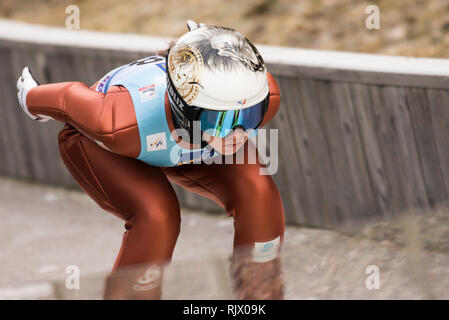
25	83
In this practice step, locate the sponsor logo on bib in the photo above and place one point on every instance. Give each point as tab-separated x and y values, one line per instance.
147	93
156	142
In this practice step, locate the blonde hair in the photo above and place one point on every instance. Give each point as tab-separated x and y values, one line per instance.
164	52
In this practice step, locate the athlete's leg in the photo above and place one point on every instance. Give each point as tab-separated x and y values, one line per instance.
136	192
254	202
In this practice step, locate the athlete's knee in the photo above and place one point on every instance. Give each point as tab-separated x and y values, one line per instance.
257	210
265	189
162	215
168	220
260	190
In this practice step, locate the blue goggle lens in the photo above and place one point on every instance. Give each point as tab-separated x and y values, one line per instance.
221	122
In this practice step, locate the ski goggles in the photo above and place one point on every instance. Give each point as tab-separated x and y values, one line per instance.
219	123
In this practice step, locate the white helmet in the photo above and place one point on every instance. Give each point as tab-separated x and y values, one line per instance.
214	68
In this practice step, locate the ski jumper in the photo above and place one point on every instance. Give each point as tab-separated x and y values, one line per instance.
116	144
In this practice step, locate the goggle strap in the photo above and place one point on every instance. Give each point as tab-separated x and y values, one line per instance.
220	123
236	117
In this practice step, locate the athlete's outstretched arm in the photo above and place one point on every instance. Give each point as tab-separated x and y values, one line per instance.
107	118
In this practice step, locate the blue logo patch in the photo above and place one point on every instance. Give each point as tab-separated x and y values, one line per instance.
195	156
267	247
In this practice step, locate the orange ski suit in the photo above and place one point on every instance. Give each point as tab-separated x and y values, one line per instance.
99	144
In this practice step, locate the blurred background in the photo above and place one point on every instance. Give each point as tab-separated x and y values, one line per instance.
363	149
408	27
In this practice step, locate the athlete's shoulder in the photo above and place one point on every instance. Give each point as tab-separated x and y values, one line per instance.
274	88
275	100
